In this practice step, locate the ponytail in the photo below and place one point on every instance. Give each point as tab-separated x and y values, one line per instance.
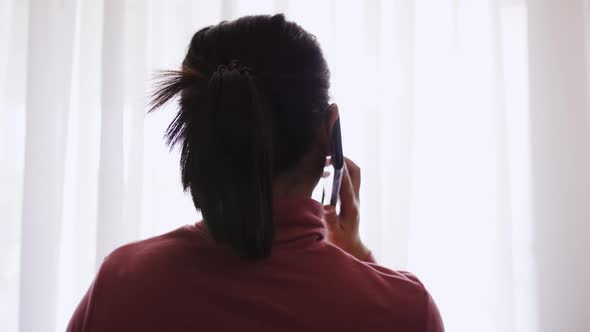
239	128
224	127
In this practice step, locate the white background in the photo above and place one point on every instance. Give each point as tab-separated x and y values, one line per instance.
469	119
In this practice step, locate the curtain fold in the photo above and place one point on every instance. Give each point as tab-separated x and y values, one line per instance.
49	69
111	228
469	119
78	223
560	152
12	147
504	256
395	98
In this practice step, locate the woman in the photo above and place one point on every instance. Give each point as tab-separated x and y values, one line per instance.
254	127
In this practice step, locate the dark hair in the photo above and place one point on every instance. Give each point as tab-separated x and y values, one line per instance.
251	94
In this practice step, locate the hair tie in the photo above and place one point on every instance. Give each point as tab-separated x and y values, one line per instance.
234	65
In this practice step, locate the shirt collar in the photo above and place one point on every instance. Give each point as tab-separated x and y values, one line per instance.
298	218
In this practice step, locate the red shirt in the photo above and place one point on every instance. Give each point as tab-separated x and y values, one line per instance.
184	281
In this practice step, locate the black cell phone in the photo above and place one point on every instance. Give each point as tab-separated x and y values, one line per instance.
337	159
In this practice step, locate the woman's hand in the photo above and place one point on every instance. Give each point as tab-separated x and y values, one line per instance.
343	228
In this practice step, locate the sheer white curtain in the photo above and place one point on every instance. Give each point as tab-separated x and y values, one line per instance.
469	119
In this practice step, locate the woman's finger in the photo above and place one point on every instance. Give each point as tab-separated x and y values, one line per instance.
355	175
347	195
330	217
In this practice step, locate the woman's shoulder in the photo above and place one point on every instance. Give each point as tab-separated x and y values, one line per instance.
150	253
369	268
409	292
400	293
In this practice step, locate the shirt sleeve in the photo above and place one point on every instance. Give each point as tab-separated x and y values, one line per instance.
80	319
433	318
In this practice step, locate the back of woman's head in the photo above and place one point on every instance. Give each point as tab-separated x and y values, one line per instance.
251	94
